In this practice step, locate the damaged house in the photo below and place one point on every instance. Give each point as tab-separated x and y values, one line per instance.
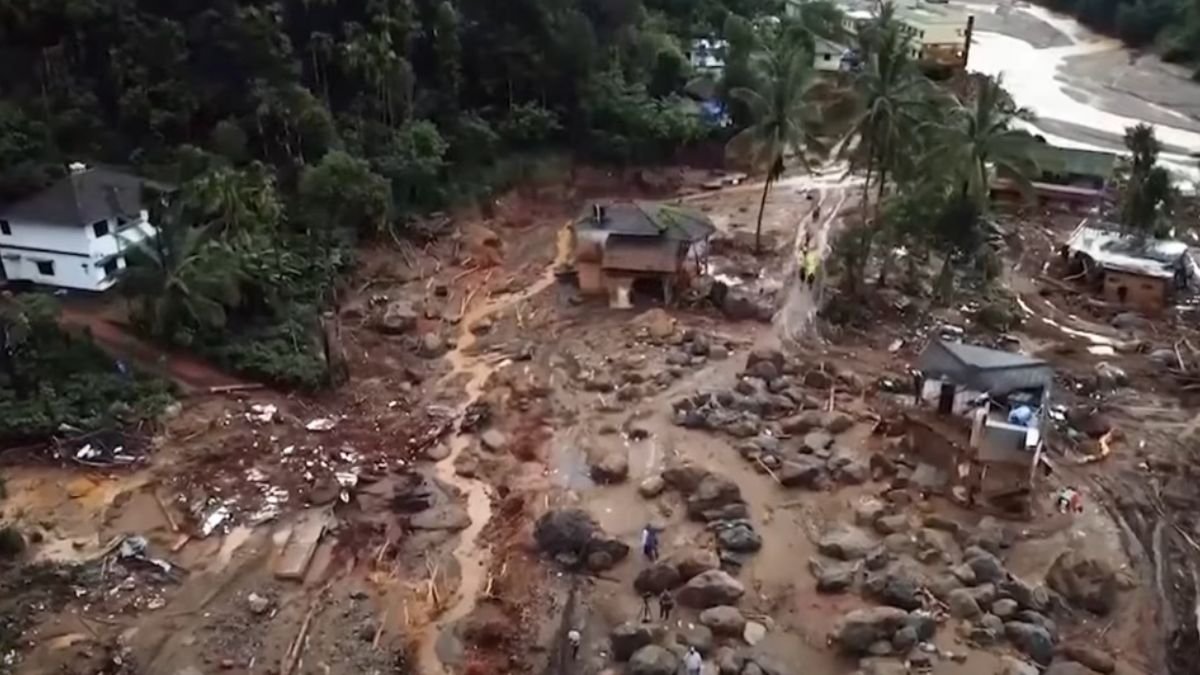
1139	272
978	426
658	246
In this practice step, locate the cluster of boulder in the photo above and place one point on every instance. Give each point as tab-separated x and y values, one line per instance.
400	318
695	578
990	603
717	501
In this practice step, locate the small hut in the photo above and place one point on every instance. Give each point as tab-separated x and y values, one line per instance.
621	243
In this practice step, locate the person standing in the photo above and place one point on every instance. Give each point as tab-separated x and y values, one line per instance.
650	543
692	662
666	603
574	638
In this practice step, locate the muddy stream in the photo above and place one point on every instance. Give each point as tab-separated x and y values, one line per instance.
472	557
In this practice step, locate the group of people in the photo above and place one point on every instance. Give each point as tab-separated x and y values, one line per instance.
692	661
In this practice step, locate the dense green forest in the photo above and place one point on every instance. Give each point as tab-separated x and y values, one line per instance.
1171	25
294	128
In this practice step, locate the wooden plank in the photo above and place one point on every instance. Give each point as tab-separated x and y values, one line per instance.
298	552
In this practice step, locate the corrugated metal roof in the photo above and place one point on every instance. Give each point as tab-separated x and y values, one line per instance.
1112	249
985	370
649	219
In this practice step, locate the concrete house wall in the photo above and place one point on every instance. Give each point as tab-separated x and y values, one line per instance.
77	256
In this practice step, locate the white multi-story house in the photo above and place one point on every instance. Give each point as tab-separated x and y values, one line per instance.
73	234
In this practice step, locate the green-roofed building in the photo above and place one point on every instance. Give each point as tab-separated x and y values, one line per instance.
619	243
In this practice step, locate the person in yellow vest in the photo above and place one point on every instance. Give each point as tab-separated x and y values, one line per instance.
812	261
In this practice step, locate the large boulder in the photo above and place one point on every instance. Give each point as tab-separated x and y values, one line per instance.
656	578
987	567
1026	595
695	635
713	493
1084	581
653	660
1010	665
608	463
1032	639
692	562
399	316
572	536
738	536
846	543
709	589
565	531
962	604
629	637
857	630
723	620
901	589
801	471
832	577
685	477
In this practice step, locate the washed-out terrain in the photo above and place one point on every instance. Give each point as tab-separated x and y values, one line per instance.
479	488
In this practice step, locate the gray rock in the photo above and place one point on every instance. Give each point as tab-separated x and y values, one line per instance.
258	604
653	660
923	623
696	635
494	440
723	620
801	471
1039	619
609	464
852	472
962	604
891	524
1086	581
802	423
445	517
629	637
816	441
763	370
718	352
693	562
712	493
728	662
904	639
832	577
984	594
964	573
739	537
846	543
1004	608
432	346
986	566
651	487
942	585
836	422
1031	639
752	669
657	577
901	589
1027	595
710	589
867	510
685	477
989	631
754	632
399	316
857	630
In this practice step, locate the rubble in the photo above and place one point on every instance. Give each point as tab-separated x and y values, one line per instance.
1083	580
628	638
723	620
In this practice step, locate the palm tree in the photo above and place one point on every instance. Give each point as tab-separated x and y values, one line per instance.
1147	194
178	282
892	95
787	116
980	138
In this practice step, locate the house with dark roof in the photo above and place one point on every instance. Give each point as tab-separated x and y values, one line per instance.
73	233
985	441
618	244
